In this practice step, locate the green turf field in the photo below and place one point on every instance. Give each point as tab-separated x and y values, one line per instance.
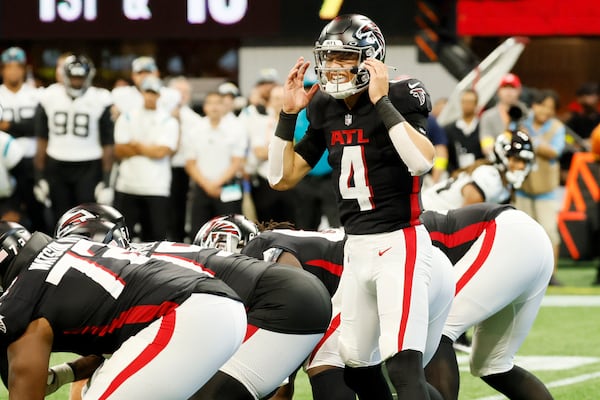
562	349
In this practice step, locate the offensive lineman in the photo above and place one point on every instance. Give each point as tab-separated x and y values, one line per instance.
503	260
75	138
75	295
288	309
375	133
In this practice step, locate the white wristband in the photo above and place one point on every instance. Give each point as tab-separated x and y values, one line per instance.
58	376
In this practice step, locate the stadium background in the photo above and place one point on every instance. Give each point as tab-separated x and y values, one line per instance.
435	40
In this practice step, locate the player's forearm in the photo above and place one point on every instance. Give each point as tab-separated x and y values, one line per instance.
415	149
108	157
84	367
39	160
283	173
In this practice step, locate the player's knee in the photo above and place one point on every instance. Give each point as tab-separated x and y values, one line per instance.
350	355
481	365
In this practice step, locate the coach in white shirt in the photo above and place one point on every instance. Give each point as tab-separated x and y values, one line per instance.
145	140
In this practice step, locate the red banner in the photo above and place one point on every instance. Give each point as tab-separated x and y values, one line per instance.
528	17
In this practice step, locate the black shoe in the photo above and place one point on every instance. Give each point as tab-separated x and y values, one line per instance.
554	281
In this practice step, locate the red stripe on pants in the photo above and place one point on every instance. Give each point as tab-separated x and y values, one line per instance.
163	336
486	247
333	325
410	240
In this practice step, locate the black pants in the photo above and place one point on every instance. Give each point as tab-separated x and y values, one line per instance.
71	183
272	204
35	217
180	187
148	211
315	197
205	207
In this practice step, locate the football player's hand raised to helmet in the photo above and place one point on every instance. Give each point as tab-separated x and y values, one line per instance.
379	79
295	97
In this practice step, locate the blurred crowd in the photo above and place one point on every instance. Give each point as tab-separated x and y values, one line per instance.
169	165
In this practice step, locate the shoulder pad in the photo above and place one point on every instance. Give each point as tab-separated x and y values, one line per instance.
410	96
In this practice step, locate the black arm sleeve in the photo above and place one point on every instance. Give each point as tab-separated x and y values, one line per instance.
107	128
311	146
41	122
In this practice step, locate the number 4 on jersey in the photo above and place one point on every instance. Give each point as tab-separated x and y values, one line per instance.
354	182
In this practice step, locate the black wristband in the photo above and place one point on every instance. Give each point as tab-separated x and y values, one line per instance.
388	112
286	126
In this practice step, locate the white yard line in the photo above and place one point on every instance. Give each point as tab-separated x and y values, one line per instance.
571	301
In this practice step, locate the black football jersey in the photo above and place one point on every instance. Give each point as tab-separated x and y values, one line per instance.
375	191
239	272
455	232
320	253
94	296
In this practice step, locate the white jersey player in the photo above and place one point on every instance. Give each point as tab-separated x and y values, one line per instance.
75	137
485	181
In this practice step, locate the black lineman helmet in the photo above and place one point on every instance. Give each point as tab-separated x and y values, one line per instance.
13	237
78	67
357	37
228	232
97	222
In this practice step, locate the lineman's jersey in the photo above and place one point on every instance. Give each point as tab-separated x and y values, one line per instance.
447	195
455	231
239	272
94	296
272	293
375	190
76	129
320	253
19	109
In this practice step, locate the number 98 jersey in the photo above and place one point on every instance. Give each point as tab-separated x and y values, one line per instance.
375	191
73	126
